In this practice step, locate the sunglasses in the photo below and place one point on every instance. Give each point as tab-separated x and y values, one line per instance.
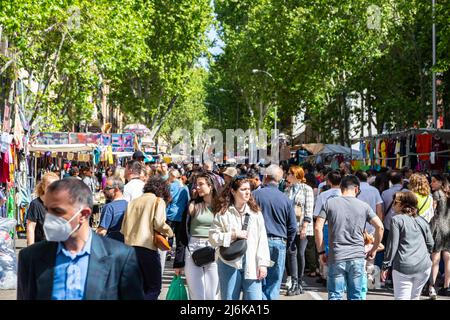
109	188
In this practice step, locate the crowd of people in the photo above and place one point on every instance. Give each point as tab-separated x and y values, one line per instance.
237	232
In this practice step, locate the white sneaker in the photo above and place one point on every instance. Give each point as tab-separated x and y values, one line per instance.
432	293
288	282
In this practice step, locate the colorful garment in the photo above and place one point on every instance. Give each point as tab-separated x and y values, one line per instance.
383	153
424	145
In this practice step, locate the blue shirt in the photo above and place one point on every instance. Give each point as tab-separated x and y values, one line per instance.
180	199
112	217
69	280
278	212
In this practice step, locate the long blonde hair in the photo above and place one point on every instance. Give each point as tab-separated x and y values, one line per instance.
418	183
40	187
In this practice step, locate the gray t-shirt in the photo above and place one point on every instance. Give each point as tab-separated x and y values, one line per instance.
346	218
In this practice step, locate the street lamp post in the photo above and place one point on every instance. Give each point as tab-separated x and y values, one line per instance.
254	71
434	63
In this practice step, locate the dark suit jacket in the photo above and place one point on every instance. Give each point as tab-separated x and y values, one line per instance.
113	271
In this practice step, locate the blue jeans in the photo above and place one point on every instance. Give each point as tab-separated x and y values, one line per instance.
232	282
272	283
346	274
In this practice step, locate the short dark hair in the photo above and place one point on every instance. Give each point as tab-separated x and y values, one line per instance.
135	166
311	180
349	181
78	191
362	176
73	171
395	177
404	170
252	174
334	177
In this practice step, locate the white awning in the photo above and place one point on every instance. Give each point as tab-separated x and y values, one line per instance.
123	154
62	147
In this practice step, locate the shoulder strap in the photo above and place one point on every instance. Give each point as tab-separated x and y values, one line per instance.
420	227
423	205
247	217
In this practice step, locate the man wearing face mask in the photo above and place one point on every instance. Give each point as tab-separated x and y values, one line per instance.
75	263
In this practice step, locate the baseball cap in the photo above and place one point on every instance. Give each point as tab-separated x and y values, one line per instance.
138	154
230	171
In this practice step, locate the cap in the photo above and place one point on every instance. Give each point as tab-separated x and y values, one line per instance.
230	171
138	154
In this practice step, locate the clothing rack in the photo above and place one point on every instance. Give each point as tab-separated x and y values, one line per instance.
374	139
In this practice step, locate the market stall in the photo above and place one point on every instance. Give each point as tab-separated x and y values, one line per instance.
418	148
329	154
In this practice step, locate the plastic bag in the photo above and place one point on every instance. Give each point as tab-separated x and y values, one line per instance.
177	290
8	260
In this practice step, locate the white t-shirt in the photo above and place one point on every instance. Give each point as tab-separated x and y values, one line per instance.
133	189
371	196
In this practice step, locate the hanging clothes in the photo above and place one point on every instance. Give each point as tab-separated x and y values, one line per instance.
438	145
377	152
383	153
96	156
4	172
398	164
412	149
423	145
109	156
362	149
10	205
391	153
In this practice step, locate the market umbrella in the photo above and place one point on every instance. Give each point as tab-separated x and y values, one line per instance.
137	128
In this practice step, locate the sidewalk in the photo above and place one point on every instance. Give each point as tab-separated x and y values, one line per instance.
313	290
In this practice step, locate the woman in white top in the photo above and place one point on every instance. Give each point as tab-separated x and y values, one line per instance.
245	273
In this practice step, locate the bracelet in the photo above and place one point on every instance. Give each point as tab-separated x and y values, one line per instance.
321	252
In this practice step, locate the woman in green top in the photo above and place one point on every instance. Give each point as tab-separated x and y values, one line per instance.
203	282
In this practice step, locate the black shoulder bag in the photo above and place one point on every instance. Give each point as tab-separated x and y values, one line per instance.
238	247
204	256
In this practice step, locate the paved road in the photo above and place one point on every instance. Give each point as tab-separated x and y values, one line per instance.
313	291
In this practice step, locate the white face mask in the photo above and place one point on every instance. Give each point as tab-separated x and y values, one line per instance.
57	228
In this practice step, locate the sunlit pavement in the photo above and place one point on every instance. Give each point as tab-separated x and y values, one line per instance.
313	290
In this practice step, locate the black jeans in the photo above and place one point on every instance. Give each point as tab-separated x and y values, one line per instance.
296	258
150	266
312	259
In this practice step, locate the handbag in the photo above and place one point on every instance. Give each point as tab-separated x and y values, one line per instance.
299	212
177	290
238	247
204	256
160	241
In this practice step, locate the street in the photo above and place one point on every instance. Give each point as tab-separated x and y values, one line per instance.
313	291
